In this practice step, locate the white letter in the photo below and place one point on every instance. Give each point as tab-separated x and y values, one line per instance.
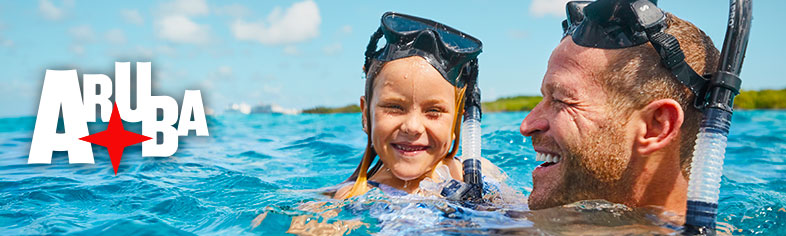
123	90
151	126
192	102
61	88
100	97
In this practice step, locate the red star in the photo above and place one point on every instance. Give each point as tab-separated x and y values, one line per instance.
115	138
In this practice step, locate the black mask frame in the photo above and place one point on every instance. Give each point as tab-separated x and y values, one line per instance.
451	52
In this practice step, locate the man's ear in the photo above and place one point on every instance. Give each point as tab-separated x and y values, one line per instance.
363	113
661	121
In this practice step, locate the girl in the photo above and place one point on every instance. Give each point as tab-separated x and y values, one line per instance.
412	107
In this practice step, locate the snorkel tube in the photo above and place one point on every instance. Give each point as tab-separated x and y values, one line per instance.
471	190
708	154
470	139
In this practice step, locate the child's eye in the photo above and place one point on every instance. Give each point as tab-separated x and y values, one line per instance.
435	112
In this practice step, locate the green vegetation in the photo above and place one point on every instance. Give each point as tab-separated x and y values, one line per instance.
518	103
748	99
345	109
762	99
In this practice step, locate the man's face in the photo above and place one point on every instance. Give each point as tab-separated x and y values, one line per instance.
575	125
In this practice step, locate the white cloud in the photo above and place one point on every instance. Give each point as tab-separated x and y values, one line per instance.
132	16
5	42
224	71
50	11
116	36
78	49
347	29
332	49
291	50
181	29
299	22
518	34
541	8
234	10
144	52
185	7
82	33
166	50
174	22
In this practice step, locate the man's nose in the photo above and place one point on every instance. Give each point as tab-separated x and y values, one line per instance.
534	122
413	125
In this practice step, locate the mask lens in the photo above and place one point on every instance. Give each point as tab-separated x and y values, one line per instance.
403	25
453	40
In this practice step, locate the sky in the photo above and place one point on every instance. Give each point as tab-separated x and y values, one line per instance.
304	53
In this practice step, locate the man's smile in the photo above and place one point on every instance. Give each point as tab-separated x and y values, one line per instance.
549	168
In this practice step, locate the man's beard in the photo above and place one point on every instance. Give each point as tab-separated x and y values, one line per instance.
592	169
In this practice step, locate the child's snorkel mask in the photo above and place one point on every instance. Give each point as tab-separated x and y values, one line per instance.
613	24
446	49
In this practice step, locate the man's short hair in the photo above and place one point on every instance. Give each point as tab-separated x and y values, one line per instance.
636	77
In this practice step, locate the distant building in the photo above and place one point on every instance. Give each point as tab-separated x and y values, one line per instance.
244	108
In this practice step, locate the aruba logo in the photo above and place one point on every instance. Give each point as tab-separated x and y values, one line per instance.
61	90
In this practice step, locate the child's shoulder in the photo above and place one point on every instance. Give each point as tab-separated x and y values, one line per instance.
343	191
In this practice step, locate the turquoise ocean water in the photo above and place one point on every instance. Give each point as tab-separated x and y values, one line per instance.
259	174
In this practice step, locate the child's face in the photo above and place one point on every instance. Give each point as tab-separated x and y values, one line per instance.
412	110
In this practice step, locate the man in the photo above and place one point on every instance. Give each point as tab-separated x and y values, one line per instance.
616	124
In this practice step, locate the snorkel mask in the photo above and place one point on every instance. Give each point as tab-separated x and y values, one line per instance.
451	52
448	50
611	24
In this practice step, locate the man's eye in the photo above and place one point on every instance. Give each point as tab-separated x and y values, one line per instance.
393	107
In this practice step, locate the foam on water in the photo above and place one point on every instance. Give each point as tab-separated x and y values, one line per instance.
263	173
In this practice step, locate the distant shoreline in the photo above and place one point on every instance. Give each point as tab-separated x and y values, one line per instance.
767	99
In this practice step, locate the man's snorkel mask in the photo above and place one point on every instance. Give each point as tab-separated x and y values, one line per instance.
614	24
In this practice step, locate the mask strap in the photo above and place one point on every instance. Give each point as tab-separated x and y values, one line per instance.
371	48
653	21
457	121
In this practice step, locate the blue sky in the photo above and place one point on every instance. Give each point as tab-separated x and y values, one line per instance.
303	53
